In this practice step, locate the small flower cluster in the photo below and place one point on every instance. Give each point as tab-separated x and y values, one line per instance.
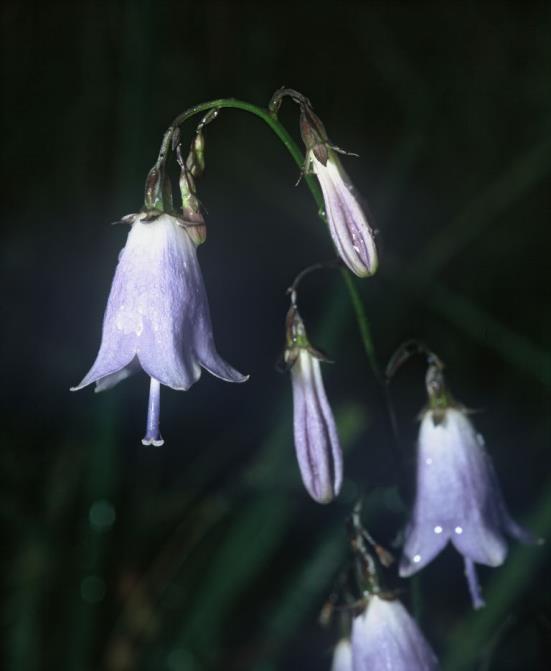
158	321
157	317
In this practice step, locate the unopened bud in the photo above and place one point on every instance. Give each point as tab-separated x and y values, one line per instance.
193	220
348	224
154	188
316	440
195	162
313	134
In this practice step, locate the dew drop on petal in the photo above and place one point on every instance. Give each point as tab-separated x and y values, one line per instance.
128	321
438	529
416	559
458	530
428	461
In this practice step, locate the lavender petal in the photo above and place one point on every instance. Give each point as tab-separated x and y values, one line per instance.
385	637
316	441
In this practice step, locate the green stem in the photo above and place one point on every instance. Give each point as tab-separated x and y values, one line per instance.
298	156
263	114
363	324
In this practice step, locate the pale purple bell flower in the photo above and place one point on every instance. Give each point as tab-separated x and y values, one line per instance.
458	499
342	656
157	317
317	443
386	638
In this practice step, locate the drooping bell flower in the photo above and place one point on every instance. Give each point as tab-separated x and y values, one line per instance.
316	440
458	497
157	317
342	656
348	224
387	638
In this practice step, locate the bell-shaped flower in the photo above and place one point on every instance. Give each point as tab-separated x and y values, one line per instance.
348	224
342	656
157	317
316	441
458	499
385	637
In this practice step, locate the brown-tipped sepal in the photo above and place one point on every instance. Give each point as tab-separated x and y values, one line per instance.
313	135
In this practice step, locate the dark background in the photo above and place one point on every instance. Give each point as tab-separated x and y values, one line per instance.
207	553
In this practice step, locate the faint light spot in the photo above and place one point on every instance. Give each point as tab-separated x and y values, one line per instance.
438	529
101	515
181	659
458	530
92	589
428	461
416	559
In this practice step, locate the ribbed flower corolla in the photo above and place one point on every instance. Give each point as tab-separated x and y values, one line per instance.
386	638
458	499
348	224
157	317
342	656
316	440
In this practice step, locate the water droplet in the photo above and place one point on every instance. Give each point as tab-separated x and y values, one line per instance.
428	461
92	589
416	559
438	529
458	530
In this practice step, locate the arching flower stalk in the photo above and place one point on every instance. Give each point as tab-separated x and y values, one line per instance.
316	440
458	496
157	317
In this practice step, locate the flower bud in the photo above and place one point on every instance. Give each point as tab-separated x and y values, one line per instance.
192	217
316	441
351	233
195	161
191	168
